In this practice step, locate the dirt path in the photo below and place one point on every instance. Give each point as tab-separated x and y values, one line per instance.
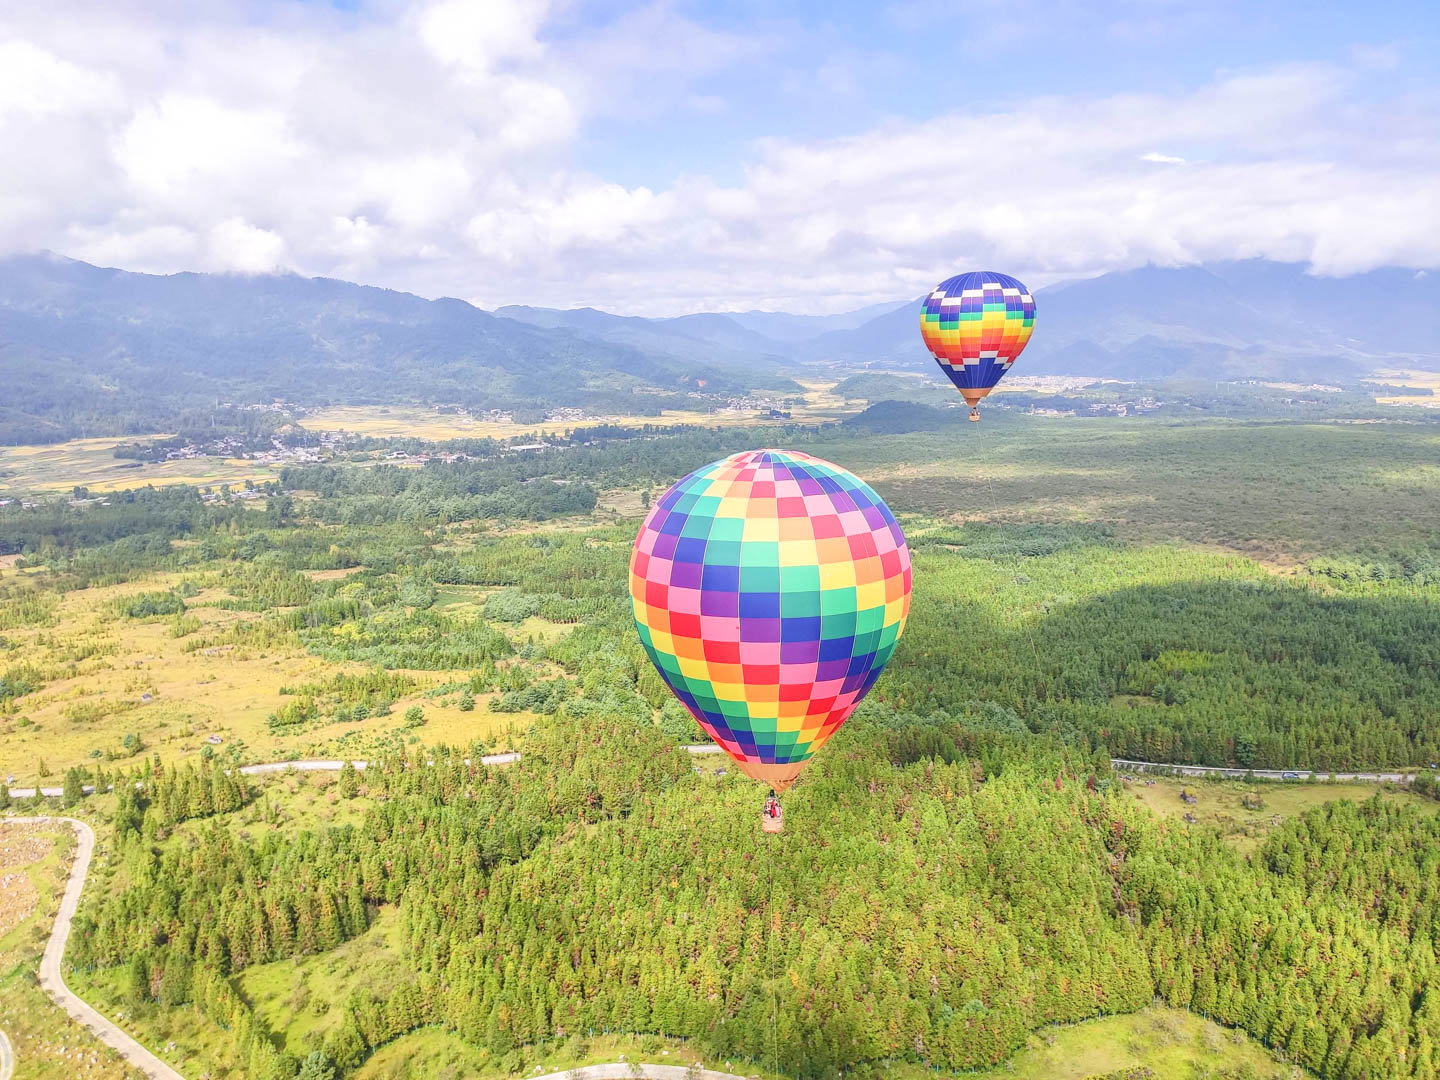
53	983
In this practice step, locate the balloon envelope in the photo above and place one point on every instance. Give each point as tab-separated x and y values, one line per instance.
975	325
769	589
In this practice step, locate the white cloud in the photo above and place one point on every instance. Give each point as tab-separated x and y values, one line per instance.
477	33
33	80
237	245
431	151
192	149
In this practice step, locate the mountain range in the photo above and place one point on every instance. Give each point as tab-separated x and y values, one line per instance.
1220	320
114	351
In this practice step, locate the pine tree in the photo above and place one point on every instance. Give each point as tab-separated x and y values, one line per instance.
137	979
74	789
316	1067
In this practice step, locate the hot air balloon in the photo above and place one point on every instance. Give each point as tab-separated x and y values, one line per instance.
770	588
975	325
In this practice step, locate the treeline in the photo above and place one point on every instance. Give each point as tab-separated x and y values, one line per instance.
1166	654
154	515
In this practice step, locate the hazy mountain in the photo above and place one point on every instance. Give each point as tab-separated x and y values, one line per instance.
744	338
105	351
1232	319
704	338
117	351
780	326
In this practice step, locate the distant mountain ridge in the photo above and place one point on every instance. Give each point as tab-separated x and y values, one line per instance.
87	349
109	351
1228	320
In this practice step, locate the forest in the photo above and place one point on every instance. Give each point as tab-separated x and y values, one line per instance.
603	885
961	869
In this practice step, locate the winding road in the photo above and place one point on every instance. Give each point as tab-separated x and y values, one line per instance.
51	979
7	1058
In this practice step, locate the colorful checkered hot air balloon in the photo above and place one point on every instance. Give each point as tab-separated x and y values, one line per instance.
975	325
769	589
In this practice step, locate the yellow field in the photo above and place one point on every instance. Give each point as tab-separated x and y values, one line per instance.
91	463
102	669
1423	380
421	423
1220	803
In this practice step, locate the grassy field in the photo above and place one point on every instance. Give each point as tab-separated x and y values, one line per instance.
421	423
34	863
303	999
91	463
1175	1045
114	677
182	1037
1221	803
1420	380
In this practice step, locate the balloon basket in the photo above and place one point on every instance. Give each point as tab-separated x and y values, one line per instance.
772	824
974	416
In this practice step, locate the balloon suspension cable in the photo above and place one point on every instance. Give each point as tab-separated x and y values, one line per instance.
770	934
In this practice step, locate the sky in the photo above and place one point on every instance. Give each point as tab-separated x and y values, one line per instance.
667	157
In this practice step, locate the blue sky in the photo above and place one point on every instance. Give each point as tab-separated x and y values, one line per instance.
659	157
817	70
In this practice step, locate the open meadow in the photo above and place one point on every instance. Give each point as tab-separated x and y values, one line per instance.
120	690
91	463
1427	383
1246	813
819	405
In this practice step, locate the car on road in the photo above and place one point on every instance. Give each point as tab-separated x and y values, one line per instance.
1290	776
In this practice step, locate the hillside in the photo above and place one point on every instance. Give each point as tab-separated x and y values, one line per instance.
85	350
91	351
698	339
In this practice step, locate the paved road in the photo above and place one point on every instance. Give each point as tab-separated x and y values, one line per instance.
53	982
275	767
1120	764
7	1058
1124	765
